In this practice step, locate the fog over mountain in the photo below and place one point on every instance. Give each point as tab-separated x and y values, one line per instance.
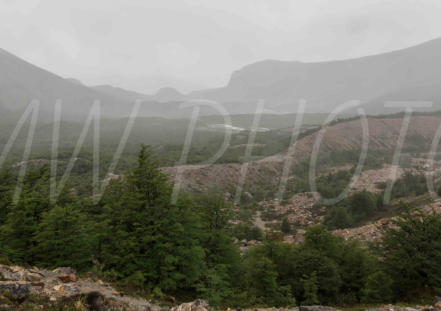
411	74
195	44
22	82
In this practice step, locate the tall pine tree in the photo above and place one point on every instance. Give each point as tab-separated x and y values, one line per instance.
22	222
152	241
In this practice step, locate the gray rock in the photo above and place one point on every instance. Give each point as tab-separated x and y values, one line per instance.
96	301
6	274
316	308
228	196
32	276
18	289
197	305
65	270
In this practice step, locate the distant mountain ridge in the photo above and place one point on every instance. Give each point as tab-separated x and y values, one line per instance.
326	84
411	74
120	93
21	82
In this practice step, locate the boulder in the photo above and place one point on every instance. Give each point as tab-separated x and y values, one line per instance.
197	305
18	290
38	284
437	304
65	270
32	276
68	278
59	289
316	308
390	307
16	269
8	276
96	301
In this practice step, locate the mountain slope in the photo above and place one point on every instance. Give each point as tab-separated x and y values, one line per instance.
168	94
343	136
21	82
408	74
119	93
326	84
430	93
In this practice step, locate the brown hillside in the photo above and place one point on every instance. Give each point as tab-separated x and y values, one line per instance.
383	135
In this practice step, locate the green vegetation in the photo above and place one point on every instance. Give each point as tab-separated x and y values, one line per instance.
165	135
137	236
353	210
412	253
285	226
330	185
409	185
243	231
310	287
362	206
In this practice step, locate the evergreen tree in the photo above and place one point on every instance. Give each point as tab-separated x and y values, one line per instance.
7	183
338	218
356	264
310	289
320	253
263	287
377	288
62	238
309	261
286	226
362	204
222	256
320	240
22	222
152	241
412	252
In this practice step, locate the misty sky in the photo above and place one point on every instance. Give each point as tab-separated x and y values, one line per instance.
191	44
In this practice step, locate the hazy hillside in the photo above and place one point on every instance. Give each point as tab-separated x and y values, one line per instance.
409	74
168	94
21	82
342	137
430	93
391	76
119	93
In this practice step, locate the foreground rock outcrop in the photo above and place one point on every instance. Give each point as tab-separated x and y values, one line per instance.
18	284
197	305
38	289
